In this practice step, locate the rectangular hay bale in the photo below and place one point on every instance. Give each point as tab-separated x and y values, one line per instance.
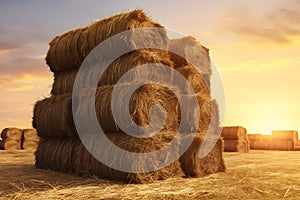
236	146
194	166
68	50
72	156
234	133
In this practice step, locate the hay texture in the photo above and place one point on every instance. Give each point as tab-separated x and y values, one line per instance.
72	156
12	133
10	144
193	51
234	133
68	51
57	110
30	139
236	146
281	145
254	137
64	81
194	166
285	135
52	117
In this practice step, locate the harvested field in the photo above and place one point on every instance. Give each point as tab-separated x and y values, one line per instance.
256	175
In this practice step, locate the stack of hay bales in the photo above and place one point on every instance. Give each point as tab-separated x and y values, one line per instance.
283	140
60	147
11	139
30	139
17	139
279	140
235	139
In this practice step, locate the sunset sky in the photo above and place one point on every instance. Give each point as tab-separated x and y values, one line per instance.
254	44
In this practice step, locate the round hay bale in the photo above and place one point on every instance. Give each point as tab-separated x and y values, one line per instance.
10	144
194	166
30	134
68	51
234	133
30	144
12	133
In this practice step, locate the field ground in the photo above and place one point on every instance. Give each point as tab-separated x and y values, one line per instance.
255	175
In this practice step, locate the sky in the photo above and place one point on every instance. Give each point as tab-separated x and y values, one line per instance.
255	46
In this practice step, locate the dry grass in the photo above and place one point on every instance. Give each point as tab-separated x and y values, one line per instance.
256	175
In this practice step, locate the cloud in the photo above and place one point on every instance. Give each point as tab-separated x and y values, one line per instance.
276	26
20	69
21	88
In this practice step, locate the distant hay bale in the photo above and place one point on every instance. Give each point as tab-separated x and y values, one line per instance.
10	144
84	164
254	137
68	51
64	81
236	146
12	133
260	145
30	139
297	146
30	144
285	135
30	134
194	166
281	145
57	110
234	133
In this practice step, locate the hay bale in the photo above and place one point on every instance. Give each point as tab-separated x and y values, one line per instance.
236	146
30	139
137	145
30	134
234	133
10	144
56	154
194	78
285	135
52	117
194	52
260	145
281	145
57	110
50	156
12	133
254	137
64	81
194	166
30	144
68	51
